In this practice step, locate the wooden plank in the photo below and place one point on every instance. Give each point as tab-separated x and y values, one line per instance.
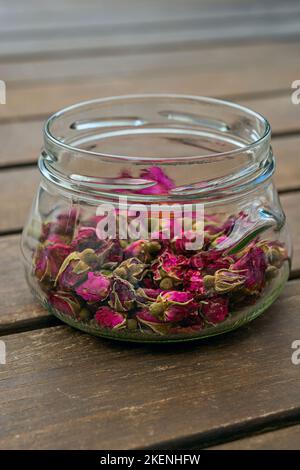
280	439
114	396
98	41
17	191
287	173
30	19
20	142
17	304
234	68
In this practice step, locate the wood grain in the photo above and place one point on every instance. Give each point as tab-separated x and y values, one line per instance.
96	40
63	389
21	19
17	304
280	439
233	68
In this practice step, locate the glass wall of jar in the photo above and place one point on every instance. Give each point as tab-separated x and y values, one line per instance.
156	218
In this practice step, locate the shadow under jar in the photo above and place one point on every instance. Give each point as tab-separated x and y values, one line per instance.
156	218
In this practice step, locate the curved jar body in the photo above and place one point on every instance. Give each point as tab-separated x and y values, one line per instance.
156	218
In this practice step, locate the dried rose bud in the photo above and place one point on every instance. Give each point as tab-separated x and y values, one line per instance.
110	254
271	272
85	238
75	267
108	318
167	283
65	303
177	313
215	309
135	249
227	280
131	269
169	265
95	288
146	295
122	295
173	306
49	259
145	317
64	225
275	252
252	265
193	282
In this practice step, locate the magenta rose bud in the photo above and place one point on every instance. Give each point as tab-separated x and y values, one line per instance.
252	265
65	303
86	238
108	318
193	282
49	259
95	288
215	309
122	295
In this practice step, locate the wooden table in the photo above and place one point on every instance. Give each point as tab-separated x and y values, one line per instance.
63	389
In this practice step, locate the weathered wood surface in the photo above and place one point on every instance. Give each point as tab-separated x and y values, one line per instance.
64	389
287	438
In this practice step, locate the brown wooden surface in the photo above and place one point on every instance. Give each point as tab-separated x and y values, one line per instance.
86	393
287	438
64	389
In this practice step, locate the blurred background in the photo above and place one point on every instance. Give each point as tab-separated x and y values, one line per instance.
56	53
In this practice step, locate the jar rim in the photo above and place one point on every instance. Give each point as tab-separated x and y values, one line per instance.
49	136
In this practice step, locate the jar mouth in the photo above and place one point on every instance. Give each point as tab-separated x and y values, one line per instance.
202	145
50	136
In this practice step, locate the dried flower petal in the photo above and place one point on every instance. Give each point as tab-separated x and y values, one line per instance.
108	318
75	267
95	288
146	318
253	266
173	306
49	259
227	280
122	295
65	303
215	309
110	254
193	282
132	270
86	238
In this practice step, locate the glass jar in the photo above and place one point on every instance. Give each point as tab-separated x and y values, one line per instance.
156	218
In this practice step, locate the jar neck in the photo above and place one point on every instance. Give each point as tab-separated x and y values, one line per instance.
157	148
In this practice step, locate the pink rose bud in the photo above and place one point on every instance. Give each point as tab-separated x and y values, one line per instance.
95	288
108	318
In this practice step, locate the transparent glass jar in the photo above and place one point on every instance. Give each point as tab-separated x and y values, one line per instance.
156	218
